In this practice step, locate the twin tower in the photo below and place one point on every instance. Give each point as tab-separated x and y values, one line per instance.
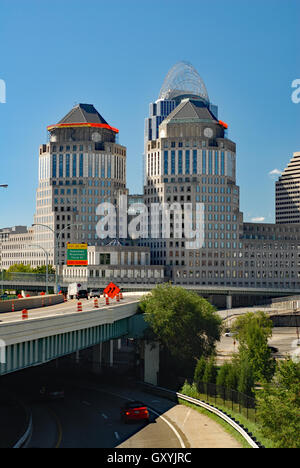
188	160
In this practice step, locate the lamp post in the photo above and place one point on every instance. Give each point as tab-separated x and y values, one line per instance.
47	264
56	246
2	186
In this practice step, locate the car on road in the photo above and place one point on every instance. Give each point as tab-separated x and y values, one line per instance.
134	411
96	293
82	294
229	334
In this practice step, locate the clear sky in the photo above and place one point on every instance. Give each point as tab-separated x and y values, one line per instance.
115	55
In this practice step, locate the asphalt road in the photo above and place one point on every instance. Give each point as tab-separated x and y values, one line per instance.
69	307
89	416
282	338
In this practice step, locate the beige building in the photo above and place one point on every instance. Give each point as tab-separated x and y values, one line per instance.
123	265
189	159
288	193
81	167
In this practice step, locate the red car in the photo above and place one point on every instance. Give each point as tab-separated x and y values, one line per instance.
134	411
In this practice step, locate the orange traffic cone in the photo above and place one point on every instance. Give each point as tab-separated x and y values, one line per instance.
107	300
79	307
24	314
118	298
121	295
96	303
13	307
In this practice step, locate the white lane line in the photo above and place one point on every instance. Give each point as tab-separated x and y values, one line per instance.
153	411
117	436
188	413
171	427
87	403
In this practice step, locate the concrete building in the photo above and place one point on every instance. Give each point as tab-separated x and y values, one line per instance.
14	246
287	199
189	162
124	265
80	167
192	160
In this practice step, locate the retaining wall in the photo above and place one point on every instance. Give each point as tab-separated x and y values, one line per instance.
30	302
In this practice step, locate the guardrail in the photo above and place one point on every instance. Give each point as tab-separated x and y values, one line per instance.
231	421
25	439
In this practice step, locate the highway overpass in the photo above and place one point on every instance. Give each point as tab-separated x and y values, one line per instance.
56	331
220	296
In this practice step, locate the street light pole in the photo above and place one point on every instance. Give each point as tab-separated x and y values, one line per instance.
2	186
56	247
47	264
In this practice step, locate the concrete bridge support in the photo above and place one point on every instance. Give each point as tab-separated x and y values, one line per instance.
103	355
229	302
151	363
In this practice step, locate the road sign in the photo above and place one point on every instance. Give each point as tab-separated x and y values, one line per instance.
111	290
77	255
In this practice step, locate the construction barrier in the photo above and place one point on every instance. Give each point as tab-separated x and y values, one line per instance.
121	296
96	305
24	314
118	298
13	307
107	300
79	307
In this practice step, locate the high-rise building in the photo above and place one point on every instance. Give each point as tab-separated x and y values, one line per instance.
189	159
80	167
192	161
287	197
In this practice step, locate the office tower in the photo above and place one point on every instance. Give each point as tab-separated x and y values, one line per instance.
287	196
80	167
191	160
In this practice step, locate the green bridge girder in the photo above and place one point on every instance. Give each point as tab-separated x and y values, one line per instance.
36	352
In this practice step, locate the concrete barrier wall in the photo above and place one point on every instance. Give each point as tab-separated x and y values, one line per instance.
30	303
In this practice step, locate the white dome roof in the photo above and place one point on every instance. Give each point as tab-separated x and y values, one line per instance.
183	79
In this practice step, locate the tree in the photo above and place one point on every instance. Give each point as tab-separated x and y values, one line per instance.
184	323
42	270
253	330
278	405
210	373
199	372
222	374
19	268
232	377
245	378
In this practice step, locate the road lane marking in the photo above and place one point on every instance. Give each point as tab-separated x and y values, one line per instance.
117	436
153	411
188	413
58	426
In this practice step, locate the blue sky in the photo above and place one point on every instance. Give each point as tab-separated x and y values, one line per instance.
115	55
